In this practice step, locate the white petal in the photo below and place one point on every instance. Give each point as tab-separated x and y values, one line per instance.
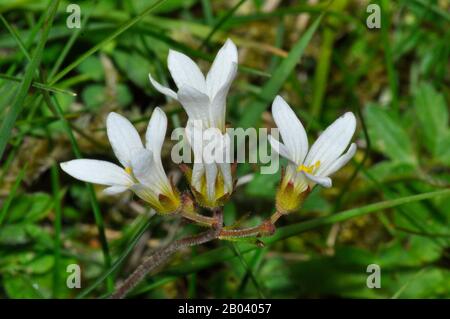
198	170
145	193
211	174
280	148
123	137
340	162
332	142
195	103
113	190
161	88
184	71
244	179
225	169
142	167
222	149
218	103
297	178
194	134
291	129
98	172
324	181
223	69
156	132
148	172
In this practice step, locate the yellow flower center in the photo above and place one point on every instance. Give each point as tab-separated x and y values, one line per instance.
308	169
128	170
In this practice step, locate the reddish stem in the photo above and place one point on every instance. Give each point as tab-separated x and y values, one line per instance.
161	255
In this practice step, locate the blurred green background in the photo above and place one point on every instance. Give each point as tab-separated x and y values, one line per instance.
58	84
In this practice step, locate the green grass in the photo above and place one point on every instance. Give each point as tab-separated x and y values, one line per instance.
17	106
272	87
388	206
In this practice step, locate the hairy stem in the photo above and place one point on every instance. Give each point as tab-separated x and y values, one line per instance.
266	228
161	255
200	219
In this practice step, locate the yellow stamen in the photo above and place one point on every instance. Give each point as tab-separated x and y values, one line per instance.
308	169
128	170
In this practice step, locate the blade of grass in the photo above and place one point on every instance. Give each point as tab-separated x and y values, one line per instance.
57	227
11	194
321	74
323	66
221	21
274	84
279	37
100	45
392	73
192	279
351	79
221	254
248	269
71	41
430	6
31	36
207	12
140	231
414	277
38	85
17	105
16	37
240	20
193	52
254	264
55	107
12	154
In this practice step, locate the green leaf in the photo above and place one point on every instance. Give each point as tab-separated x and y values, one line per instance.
388	136
443	149
92	67
135	67
14	111
22	287
93	96
166	7
263	185
386	170
13	235
272	87
433	115
30	208
40	265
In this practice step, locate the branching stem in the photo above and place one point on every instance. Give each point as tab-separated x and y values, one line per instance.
266	228
200	219
161	255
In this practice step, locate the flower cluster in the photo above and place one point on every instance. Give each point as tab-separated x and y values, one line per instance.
307	168
204	99
211	178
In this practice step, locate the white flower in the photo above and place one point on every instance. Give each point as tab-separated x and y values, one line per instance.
203	99
142	169
314	166
211	175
